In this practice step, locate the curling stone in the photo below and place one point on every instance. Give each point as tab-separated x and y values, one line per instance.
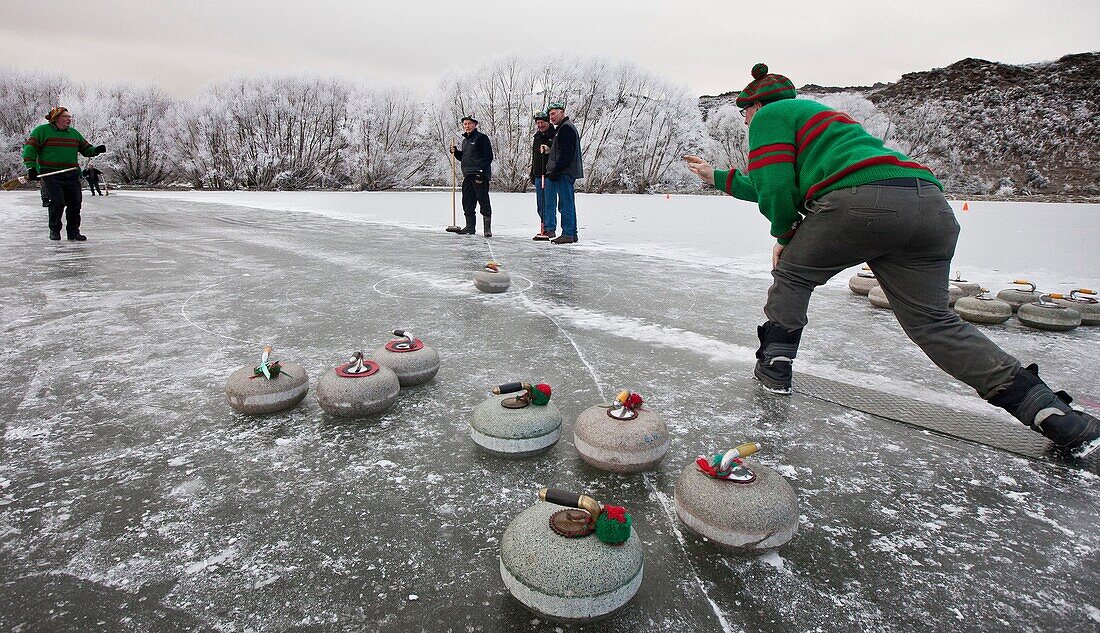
577	563
516	426
273	385
736	503
1087	306
1017	297
409	358
862	282
492	278
983	309
357	388
969	288
1044	314
954	293
621	437
878	298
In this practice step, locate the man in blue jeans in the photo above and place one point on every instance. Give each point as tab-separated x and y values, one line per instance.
563	169
540	152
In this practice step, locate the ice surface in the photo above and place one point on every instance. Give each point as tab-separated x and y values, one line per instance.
130	494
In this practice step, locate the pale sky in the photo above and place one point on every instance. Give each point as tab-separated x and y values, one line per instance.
708	45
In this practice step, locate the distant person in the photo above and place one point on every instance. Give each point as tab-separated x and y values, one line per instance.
540	152
836	197
91	174
563	170
53	147
476	157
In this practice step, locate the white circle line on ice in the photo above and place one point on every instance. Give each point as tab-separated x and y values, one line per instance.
302	307
471	295
183	311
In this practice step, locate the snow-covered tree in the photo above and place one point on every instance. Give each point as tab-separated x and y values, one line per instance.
25	98
386	140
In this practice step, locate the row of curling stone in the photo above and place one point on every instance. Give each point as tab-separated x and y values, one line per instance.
620	437
571	558
492	279
865	283
359	387
550	562
1053	312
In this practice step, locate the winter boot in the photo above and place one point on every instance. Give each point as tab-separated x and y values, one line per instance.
55	235
774	359
488	226
1032	402
471	228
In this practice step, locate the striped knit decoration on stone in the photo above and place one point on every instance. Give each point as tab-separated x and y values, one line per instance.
765	88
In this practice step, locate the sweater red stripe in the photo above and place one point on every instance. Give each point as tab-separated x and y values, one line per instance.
774	147
770	160
729	182
839	118
870	162
33	142
814	120
50	163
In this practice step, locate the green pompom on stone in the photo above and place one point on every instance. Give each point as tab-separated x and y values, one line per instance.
613	532
540	394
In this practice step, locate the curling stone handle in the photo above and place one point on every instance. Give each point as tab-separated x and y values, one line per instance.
1024	282
571	500
401	333
1082	291
744	450
511	387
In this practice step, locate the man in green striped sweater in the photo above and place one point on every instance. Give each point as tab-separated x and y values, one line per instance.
52	147
837	197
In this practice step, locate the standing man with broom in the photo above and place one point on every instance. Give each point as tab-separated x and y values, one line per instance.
476	157
52	147
540	150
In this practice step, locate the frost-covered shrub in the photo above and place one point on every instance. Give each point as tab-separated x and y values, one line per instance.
386	139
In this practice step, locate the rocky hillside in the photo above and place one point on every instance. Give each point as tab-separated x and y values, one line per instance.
986	127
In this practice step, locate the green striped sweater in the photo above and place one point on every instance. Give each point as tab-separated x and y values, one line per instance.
800	150
50	149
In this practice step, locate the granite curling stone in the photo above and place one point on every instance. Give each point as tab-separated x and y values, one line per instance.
862	282
969	288
1088	306
954	293
578	563
736	503
409	358
878	298
492	279
357	388
621	437
1045	314
273	385
983	309
516	426
1017	297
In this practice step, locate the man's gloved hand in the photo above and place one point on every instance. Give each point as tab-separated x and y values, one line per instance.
99	149
32	173
554	175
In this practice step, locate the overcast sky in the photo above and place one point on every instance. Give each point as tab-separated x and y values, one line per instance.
709	45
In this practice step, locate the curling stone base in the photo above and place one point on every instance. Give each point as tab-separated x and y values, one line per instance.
260	396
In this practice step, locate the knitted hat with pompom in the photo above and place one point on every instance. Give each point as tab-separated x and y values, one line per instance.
765	88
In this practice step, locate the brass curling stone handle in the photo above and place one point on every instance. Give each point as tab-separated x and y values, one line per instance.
511	387
1024	282
744	450
571	500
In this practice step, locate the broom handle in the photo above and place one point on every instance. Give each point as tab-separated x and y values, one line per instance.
454	185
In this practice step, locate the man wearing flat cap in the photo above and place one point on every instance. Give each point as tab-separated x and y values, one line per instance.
476	156
53	147
540	152
563	169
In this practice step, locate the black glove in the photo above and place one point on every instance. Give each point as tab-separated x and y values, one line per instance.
99	149
554	175
32	173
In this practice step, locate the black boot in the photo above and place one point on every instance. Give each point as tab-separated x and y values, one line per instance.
778	347
488	226
471	228
1032	402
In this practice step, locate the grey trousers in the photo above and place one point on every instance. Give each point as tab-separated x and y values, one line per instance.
907	236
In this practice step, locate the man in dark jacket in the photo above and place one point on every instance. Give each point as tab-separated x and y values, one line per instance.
91	174
540	152
563	169
476	157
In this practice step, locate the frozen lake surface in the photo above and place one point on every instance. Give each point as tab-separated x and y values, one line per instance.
133	498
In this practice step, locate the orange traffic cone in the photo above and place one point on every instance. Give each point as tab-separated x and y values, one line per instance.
966	206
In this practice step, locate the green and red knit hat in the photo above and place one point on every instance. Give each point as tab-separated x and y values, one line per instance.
765	88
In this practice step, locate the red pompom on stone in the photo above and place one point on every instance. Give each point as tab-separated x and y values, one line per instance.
759	70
